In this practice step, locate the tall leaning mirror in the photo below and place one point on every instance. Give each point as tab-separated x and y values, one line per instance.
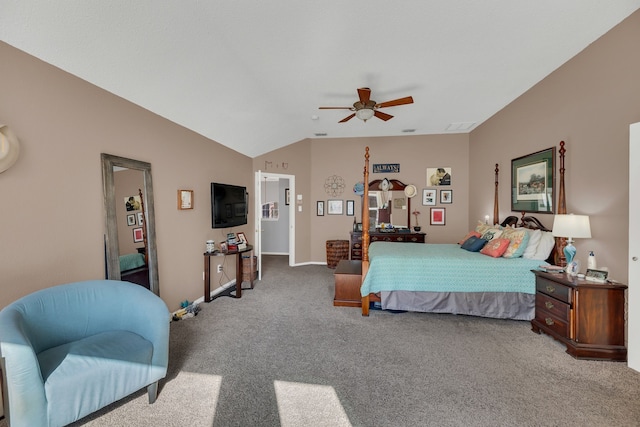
130	237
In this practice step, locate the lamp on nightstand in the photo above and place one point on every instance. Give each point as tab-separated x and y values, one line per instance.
571	226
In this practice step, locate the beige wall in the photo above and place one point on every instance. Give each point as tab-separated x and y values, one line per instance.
313	161
589	103
52	211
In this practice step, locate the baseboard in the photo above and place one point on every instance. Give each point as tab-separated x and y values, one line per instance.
213	293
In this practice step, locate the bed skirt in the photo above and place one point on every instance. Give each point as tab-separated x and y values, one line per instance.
499	305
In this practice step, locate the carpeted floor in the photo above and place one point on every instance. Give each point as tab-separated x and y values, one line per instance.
284	356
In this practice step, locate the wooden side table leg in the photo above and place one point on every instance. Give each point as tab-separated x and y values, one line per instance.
239	276
207	278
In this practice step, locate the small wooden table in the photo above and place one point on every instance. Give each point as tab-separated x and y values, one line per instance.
207	272
348	277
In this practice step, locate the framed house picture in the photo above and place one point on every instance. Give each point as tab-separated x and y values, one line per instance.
532	182
437	216
429	197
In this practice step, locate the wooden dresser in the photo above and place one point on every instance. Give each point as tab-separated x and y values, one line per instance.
588	317
355	244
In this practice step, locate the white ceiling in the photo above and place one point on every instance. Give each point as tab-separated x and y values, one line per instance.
250	74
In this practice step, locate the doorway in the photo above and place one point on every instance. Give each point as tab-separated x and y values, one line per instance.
284	184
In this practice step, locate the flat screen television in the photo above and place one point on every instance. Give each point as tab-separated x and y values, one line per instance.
228	205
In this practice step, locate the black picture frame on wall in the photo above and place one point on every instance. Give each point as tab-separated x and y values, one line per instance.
533	182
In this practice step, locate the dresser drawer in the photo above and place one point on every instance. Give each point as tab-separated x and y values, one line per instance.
556	308
554	289
552	322
356	254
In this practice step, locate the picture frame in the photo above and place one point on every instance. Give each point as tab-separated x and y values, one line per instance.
437	216
132	203
429	196
438	176
131	220
240	237
287	196
358	227
446	197
351	206
185	199
320	208
533	182
138	236
140	219
334	207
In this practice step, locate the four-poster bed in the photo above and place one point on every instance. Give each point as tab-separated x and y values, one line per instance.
447	279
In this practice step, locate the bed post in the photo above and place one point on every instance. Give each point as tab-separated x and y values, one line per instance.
365	230
496	213
559	258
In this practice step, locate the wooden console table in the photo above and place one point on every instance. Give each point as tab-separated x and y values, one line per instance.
207	272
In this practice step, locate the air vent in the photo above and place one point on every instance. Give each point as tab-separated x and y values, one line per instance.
460	127
320	134
408	130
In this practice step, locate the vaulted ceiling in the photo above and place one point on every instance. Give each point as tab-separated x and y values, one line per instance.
251	74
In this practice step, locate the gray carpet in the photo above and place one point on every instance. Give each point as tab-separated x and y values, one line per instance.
284	356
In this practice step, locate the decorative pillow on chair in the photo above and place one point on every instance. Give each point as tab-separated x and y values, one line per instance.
518	242
473	244
469	234
495	247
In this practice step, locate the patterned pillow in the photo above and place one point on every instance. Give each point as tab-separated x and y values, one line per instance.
473	244
482	227
491	233
518	242
496	247
469	234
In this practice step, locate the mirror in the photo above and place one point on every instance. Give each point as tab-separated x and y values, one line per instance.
112	214
390	207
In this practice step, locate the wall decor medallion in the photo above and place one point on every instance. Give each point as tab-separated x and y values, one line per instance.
334	185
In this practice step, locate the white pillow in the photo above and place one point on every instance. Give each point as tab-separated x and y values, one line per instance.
547	242
532	246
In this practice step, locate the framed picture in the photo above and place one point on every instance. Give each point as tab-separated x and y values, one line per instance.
287	197
446	196
429	197
140	219
358	227
131	219
437	216
351	207
334	207
320	208
137	235
185	199
438	176
132	203
533	183
242	238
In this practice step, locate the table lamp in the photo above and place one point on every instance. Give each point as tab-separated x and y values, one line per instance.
571	226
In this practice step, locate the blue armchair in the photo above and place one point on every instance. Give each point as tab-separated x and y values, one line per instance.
69	350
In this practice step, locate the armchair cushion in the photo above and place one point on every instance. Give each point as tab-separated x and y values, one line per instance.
72	349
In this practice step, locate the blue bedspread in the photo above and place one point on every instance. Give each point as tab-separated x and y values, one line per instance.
444	268
130	261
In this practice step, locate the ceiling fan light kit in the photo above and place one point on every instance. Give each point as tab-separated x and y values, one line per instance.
366	108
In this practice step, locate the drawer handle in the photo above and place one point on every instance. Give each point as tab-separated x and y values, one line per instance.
549	321
548	305
550	289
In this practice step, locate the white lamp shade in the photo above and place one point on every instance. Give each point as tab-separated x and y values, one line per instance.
364	114
571	226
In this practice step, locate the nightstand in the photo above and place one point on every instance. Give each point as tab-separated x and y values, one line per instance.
587	317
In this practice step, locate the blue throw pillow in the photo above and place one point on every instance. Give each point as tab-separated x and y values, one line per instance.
474	244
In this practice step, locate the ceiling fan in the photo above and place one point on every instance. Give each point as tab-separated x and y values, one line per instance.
366	108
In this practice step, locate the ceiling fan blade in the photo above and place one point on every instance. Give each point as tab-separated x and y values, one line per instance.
346	119
393	103
335	108
382	116
364	93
